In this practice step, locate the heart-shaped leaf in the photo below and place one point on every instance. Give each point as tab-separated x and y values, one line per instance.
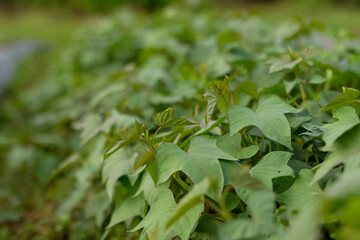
199	162
269	118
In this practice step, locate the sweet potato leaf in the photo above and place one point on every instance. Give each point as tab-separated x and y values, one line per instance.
268	117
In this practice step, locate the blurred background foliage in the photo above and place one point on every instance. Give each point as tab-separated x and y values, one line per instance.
30	127
108	5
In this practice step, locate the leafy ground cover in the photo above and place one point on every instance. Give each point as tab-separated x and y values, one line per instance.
188	124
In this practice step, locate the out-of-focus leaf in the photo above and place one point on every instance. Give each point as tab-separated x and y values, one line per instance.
347	119
240	229
349	97
317	79
161	211
247	87
261	205
301	194
305	225
347	185
345	150
244	183
281	64
119	164
191	200
308	53
126	209
148	189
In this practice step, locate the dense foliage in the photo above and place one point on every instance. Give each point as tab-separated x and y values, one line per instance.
200	125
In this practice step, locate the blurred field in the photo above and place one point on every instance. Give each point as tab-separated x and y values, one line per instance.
58	25
333	16
50	26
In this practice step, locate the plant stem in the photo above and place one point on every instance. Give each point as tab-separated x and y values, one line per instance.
157	130
219	126
307	74
293	100
148	145
220	211
262	145
181	182
212	216
222	203
303	95
316	159
232	97
301	85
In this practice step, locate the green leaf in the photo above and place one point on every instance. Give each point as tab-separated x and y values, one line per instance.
317	79
345	150
305	225
347	119
243	182
308	53
166	119
232	145
199	162
268	117
227	167
271	166
349	97
211	97
329	163
211	125
247	87
119	164
301	194
281	64
278	89
345	186
289	85
148	188
240	229
139	129
261	205
126	209
115	88
92	125
193	198
220	94
296	119
161	211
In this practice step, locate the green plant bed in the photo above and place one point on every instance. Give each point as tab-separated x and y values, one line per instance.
195	124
